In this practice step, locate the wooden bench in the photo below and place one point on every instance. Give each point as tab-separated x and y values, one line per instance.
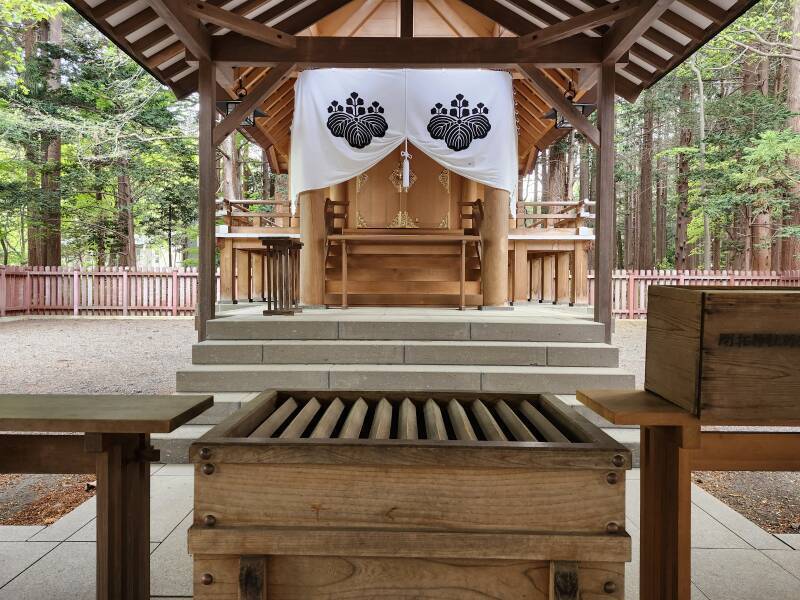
673	444
343	239
115	446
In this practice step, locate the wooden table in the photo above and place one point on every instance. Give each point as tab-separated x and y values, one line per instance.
411	238
114	445
672	446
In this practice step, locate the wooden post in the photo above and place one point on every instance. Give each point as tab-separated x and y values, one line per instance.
125	300
227	276
522	284
563	284
312	255
242	274
76	292
548	272
494	239
338	193
175	293
581	274
206	288
604	223
666	515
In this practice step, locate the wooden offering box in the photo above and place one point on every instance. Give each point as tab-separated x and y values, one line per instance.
439	496
728	354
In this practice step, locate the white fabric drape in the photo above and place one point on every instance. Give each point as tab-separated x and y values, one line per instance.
464	119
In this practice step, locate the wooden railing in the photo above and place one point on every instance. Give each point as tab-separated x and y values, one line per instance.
553	215
259	214
629	288
173	292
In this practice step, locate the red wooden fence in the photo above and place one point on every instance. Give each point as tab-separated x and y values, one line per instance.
629	288
173	292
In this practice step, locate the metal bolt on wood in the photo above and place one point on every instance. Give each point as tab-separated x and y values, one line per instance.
206	579
609	587
612	527
612	478
208	469
210	520
205	453
618	460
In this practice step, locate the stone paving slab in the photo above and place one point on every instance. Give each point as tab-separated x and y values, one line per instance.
18	533
15	557
790	539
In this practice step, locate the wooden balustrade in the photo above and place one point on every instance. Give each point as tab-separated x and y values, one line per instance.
560	214
255	214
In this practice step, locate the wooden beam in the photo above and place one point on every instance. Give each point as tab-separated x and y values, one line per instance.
624	33
578	24
708	9
206	292
406	18
605	222
271	82
224	18
313	13
502	16
234	49
553	96
188	29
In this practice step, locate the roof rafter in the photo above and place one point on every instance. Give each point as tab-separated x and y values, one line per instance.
224	18
578	24
624	33
190	32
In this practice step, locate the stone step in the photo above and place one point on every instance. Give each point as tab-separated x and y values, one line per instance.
484	328
558	354
511	379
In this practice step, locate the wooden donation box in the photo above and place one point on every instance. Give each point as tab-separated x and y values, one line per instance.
725	353
302	496
715	357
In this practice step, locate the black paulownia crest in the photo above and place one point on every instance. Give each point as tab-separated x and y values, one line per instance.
459	125
356	123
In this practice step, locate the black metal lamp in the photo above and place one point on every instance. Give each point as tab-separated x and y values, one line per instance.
228	106
561	120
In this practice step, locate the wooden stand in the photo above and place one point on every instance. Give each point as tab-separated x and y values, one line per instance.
116	447
673	445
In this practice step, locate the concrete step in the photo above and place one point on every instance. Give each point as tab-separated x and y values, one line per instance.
512	379
483	328
559	354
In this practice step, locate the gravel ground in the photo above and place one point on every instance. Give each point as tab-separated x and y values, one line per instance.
140	356
72	356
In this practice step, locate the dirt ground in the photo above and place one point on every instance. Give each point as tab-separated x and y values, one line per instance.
140	356
70	356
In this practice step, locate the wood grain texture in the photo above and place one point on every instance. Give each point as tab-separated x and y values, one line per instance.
99	413
38	453
490	427
423	498
325	426
407	421
253	578
434	422
275	419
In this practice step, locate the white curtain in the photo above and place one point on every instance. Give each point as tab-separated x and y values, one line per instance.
347	120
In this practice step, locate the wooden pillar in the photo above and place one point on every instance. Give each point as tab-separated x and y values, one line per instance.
225	268
563	288
548	272
581	274
338	193
258	277
605	219
242	277
494	239
522	284
536	279
206	269
312	256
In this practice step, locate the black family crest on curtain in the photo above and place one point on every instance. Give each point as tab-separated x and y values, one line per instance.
459	125
356	123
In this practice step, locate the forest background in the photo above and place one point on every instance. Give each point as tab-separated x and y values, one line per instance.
98	161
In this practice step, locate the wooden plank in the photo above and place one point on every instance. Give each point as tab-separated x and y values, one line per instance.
299	424
635	407
355	420
40	453
209	13
420	544
99	413
276	419
253	578
407	421
407	18
381	421
512	421
491	429
235	49
549	432
329	419
434	422
460	421
578	23
747	451
207	173
298	495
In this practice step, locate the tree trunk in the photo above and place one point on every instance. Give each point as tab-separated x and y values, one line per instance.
761	228
791	246
51	157
682	186
125	226
701	118
556	173
232	187
583	174
661	210
645	220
